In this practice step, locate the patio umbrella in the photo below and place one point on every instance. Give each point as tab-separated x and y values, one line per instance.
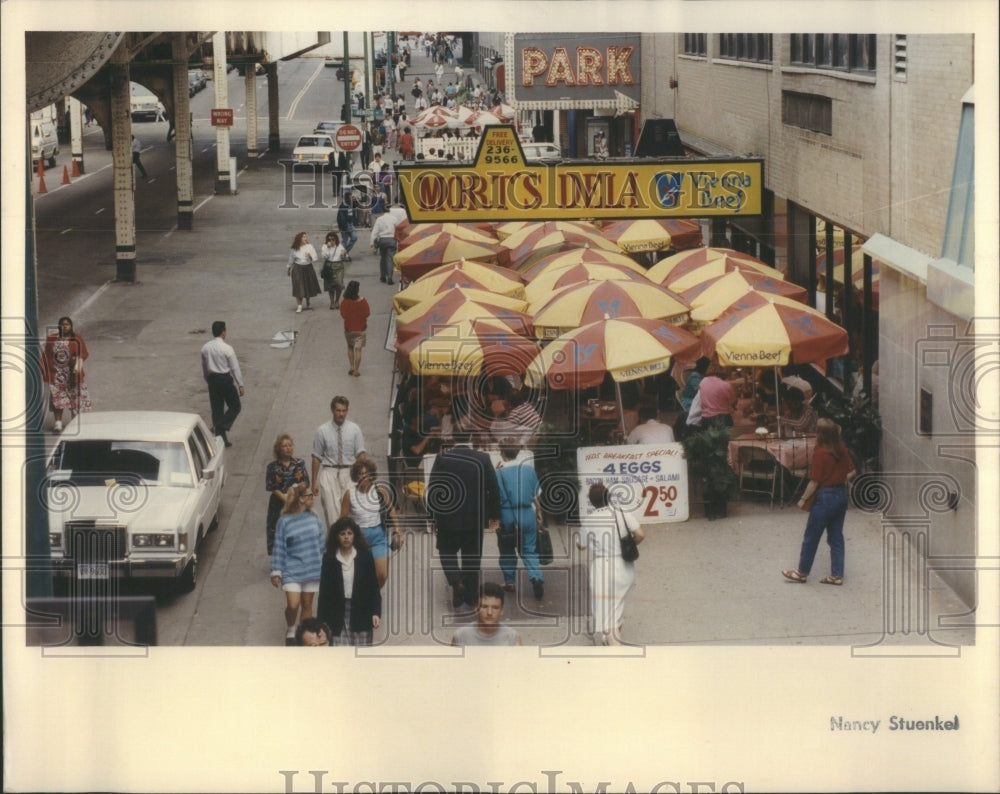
503	112
468	348
712	298
435	117
579	304
464	274
416	232
770	331
581	256
480	118
554	277
424	255
505	230
426	317
407	228
627	347
529	245
668	271
651	234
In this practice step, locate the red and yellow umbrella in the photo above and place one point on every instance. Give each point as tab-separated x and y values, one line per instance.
554	277
409	233
467	348
581	256
668	271
772	331
463	274
711	299
579	304
651	234
529	245
505	230
435	117
458	304
439	249
626	347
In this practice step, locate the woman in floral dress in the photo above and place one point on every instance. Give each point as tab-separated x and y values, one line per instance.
62	368
282	473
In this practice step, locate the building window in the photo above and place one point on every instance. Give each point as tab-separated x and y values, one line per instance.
959	230
754	47
808	111
899	56
696	44
844	52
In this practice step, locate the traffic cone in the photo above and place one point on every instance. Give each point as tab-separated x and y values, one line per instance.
65	179
76	169
41	177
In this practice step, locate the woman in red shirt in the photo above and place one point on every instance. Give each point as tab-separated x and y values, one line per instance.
355	310
832	469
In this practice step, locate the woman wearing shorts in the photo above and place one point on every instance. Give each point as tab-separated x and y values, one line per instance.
365	501
297	561
355	310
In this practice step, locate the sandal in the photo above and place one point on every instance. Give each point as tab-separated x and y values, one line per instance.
794	576
831	580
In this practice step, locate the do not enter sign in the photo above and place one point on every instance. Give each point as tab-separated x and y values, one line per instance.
348	137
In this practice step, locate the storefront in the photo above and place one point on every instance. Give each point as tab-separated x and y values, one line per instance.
579	91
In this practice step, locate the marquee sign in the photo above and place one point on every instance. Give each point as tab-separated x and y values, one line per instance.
501	186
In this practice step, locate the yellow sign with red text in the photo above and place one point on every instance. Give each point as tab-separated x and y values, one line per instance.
502	186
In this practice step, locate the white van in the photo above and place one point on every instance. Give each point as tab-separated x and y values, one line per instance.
144	105
44	142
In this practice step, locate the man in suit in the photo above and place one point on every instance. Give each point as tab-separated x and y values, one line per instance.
463	497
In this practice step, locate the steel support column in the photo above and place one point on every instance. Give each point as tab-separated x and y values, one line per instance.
183	153
76	133
273	133
224	176
123	176
251	103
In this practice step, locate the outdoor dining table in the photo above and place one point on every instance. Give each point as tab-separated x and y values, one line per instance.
794	455
597	420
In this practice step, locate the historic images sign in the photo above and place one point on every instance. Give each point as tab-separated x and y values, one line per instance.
587	67
501	186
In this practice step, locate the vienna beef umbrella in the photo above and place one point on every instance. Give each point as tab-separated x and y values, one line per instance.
652	234
529	245
579	304
626	347
425	317
439	249
468	348
554	277
584	255
713	298
771	331
670	270
461	275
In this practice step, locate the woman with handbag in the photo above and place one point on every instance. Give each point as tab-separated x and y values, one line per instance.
300	268
611	536
350	598
332	272
518	532
370	506
826	500
62	368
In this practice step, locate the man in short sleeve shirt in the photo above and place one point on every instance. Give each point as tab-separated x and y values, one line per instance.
336	446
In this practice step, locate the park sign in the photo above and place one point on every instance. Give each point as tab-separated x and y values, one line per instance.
500	185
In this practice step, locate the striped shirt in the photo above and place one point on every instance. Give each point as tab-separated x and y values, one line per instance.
299	543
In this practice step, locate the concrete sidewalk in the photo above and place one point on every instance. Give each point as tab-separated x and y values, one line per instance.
699	582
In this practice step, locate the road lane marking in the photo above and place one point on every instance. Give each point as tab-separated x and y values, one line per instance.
302	92
100	211
66	231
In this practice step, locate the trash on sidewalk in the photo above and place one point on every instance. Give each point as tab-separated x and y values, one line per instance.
284	339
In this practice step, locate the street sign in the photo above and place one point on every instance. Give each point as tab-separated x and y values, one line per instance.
348	137
222	117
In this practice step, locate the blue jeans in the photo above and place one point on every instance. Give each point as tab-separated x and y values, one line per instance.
387	247
348	237
526	546
827	514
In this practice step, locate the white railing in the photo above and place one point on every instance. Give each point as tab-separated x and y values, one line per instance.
459	148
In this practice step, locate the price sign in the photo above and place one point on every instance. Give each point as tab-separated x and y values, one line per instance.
648	480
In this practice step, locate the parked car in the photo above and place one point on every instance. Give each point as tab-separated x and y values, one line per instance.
144	105
541	152
131	495
196	81
315	149
44	142
328	128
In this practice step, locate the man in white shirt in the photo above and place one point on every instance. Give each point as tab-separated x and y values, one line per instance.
383	240
222	373
650	430
336	446
488	629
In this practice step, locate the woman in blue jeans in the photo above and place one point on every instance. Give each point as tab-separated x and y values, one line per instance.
831	471
518	487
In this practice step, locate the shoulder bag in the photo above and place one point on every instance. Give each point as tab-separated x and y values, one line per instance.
630	551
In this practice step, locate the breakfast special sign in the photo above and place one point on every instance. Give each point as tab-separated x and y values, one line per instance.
501	186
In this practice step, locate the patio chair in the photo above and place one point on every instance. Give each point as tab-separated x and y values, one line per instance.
759	471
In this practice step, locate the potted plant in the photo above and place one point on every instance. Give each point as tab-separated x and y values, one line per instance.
707	452
555	464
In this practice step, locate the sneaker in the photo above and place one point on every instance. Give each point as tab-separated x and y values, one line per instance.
57	427
298	309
